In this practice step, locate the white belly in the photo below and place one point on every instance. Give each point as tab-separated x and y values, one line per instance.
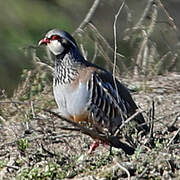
71	101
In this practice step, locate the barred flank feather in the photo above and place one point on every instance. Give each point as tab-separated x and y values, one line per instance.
103	104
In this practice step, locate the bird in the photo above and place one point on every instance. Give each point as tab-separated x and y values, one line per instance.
88	94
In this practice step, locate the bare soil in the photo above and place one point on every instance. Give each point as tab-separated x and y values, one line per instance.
37	145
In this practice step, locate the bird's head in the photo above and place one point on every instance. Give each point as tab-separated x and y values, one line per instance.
58	41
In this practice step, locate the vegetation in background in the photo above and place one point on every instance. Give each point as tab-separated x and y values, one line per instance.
37	145
23	22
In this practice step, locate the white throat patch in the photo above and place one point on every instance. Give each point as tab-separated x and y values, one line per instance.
55	47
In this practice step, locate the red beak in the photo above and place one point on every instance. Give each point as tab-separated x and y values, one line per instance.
44	41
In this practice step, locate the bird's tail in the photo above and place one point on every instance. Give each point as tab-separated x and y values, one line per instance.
115	142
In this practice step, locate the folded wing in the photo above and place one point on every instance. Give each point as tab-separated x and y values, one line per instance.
110	103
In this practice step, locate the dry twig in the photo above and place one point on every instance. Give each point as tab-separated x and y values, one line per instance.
95	52
171	20
152	114
171	140
128	120
42	64
102	40
124	169
144	15
39	62
115	48
13	101
146	35
88	17
173	62
109	139
107	59
4	170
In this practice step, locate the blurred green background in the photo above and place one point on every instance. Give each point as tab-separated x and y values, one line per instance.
24	22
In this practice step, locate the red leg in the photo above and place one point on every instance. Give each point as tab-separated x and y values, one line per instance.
93	146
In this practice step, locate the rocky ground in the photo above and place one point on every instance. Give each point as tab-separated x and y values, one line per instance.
37	145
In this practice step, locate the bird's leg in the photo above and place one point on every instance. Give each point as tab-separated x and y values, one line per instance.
110	151
93	146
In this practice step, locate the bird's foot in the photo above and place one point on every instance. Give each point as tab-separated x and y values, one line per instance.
93	146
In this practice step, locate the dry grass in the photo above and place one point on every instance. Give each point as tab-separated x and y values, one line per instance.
37	145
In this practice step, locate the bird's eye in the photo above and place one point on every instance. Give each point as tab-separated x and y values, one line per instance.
55	37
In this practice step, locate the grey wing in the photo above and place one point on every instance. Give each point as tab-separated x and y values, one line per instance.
107	108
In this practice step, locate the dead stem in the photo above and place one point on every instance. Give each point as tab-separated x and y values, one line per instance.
144	15
171	140
146	35
127	121
171	20
124	169
115	48
89	16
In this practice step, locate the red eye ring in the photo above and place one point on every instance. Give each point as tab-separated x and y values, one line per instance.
55	37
